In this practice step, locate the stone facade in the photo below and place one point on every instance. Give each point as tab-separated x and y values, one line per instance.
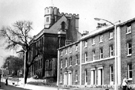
58	28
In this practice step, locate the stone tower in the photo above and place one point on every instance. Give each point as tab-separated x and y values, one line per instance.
51	16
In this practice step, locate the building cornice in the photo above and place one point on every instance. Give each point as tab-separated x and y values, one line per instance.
100	60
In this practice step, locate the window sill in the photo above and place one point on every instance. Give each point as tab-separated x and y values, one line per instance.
128	33
110	38
60	82
111	56
101	58
129	55
101	42
85	46
93	44
130	79
76	64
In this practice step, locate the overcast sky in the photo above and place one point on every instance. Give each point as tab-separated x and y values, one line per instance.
33	10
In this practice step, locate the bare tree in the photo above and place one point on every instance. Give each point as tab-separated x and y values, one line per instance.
18	37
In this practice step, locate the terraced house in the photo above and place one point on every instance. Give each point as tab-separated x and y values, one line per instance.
92	59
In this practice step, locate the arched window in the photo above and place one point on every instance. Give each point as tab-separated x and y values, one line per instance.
63	25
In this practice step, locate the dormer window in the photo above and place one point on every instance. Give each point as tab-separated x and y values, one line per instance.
63	25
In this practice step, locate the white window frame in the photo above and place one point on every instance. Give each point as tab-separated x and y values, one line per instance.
76	59
111	50
76	76
61	53
130	78
111	35
128	30
129	48
70	49
85	43
86	76
61	78
101	53
61	63
86	56
66	62
70	61
111	75
76	47
66	51
100	38
93	54
93	41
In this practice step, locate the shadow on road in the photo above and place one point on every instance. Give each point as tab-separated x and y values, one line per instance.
10	87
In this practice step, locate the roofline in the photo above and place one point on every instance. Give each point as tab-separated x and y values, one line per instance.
97	31
69	45
125	22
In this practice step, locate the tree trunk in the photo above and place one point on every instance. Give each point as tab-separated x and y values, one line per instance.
26	68
26	74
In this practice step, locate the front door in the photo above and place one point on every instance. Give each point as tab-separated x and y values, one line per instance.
69	78
65	78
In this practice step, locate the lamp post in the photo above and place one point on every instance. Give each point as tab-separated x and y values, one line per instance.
116	47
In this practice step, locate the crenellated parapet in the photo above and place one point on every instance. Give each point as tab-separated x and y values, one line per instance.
70	15
52	14
51	10
55	11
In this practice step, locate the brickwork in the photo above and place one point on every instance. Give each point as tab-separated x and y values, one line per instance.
66	54
105	64
125	60
117	47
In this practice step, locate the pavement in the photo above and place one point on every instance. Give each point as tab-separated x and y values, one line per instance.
21	86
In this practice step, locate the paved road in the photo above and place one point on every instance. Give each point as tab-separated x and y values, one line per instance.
9	87
26	87
21	86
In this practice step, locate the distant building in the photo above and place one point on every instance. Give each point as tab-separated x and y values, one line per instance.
90	61
59	30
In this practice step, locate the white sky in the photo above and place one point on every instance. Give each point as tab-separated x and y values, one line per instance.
33	10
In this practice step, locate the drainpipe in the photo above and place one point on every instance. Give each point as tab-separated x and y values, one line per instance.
58	69
80	63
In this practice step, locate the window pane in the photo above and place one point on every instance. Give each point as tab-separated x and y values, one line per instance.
130	74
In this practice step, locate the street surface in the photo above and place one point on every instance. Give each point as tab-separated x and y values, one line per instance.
25	87
21	86
9	87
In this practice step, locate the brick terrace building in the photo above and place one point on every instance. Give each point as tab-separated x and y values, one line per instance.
59	29
95	57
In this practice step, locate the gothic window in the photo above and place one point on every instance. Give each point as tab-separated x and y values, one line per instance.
63	25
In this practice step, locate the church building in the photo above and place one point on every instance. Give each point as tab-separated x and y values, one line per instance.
60	29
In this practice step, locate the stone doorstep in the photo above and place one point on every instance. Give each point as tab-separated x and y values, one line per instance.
84	87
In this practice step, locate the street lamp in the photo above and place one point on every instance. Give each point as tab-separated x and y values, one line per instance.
116	46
